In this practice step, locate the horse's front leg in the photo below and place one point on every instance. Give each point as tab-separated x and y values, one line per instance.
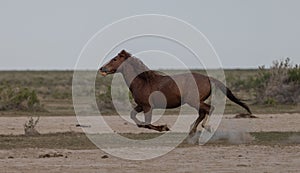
133	114
148	116
148	119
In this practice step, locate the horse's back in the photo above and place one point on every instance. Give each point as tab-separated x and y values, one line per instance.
179	89
194	87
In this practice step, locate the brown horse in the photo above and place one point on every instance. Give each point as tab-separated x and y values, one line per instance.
152	90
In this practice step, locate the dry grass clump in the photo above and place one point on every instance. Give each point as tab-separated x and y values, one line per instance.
29	127
279	84
19	98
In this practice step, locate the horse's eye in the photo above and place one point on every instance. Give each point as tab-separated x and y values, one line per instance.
115	59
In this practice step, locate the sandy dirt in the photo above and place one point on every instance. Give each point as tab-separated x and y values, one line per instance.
207	158
239	158
264	122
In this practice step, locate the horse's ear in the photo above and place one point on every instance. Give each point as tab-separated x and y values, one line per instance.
125	54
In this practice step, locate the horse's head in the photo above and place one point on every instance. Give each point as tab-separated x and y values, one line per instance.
114	65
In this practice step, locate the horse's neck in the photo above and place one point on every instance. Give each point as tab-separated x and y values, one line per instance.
129	75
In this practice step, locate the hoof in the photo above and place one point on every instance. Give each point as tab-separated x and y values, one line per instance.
192	132
193	138
163	128
142	125
208	128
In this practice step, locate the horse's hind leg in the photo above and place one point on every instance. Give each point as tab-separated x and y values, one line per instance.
203	111
203	124
201	116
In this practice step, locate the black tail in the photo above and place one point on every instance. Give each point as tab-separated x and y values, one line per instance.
229	94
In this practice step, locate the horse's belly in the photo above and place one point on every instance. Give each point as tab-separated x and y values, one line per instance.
166	106
160	101
170	106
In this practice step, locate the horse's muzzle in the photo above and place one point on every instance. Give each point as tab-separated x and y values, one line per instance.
103	71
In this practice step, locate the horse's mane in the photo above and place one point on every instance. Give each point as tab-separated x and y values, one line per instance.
143	71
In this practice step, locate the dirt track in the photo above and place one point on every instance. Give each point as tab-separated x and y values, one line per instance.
207	158
192	159
264	122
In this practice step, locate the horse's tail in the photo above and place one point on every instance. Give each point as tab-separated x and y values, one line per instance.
229	94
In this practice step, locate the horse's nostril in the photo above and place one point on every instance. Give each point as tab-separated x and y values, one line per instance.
103	69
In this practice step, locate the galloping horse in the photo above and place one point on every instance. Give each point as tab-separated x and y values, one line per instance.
171	91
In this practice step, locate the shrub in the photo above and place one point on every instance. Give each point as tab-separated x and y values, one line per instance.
105	103
29	127
19	99
104	100
279	84
294	74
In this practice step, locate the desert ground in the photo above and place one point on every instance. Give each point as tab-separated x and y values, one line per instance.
245	156
268	143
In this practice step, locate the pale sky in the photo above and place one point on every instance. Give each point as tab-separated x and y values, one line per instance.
49	34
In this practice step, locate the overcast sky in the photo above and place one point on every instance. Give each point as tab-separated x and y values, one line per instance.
37	34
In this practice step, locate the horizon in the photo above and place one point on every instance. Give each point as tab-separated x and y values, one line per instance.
160	69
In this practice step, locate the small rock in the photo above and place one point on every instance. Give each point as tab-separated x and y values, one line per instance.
47	155
44	155
83	126
245	116
58	155
242	165
104	156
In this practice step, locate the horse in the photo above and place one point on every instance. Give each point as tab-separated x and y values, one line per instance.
153	90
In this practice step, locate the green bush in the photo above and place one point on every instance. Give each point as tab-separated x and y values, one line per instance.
270	101
279	84
19	99
294	74
104	100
